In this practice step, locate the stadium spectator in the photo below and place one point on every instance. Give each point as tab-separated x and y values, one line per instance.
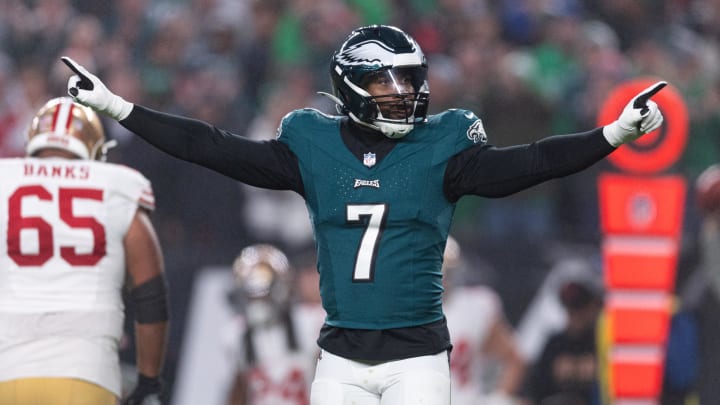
380	181
75	228
12	113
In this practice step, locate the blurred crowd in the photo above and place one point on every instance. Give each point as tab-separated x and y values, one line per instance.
528	68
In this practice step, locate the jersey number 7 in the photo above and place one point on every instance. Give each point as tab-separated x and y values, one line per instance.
373	216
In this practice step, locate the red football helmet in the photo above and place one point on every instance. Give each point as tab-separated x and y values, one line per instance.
707	189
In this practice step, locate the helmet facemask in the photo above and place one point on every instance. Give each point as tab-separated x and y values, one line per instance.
403	102
387	58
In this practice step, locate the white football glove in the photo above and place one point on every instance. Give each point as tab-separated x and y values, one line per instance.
640	116
85	88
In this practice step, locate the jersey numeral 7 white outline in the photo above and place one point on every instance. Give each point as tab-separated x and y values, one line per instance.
373	216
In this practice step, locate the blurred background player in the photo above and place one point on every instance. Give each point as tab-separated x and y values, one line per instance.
273	336
702	292
75	228
567	369
486	364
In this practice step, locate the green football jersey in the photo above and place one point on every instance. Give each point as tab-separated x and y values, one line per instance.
380	226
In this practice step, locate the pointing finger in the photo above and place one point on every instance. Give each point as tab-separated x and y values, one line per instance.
642	99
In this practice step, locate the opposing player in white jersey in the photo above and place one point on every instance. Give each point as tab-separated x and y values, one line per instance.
75	228
483	342
273	338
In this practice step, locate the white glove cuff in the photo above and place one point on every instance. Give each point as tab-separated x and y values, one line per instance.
118	108
614	134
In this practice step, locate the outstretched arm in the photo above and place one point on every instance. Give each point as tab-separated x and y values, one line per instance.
496	172
493	172
266	164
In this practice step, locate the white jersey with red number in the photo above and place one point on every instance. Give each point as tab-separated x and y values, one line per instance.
470	313
62	266
279	376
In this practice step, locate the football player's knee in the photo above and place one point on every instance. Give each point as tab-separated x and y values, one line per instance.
326	392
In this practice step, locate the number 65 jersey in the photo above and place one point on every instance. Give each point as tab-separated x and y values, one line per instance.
62	266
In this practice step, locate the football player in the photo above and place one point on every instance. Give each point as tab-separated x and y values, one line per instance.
702	291
380	180
273	337
486	366
75	227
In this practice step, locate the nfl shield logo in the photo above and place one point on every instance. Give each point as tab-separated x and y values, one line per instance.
369	159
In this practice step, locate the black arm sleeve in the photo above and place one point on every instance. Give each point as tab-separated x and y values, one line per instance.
267	164
490	171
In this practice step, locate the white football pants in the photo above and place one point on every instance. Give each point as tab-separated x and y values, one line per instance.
421	380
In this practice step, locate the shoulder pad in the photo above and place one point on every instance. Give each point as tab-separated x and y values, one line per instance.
464	121
474	129
304	121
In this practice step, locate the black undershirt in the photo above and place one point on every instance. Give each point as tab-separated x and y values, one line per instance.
481	170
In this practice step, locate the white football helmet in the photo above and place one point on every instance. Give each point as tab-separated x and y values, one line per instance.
262	283
66	125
